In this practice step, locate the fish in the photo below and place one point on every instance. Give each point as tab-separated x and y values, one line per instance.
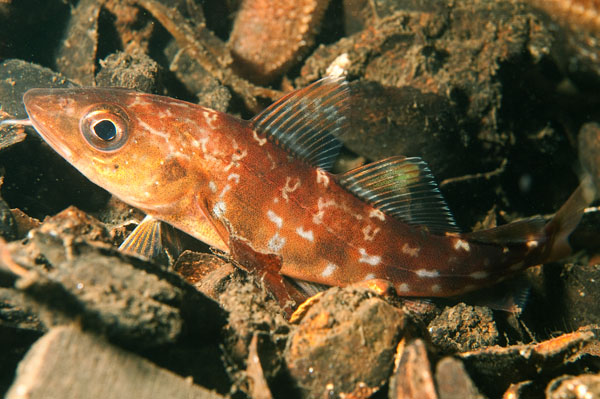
262	189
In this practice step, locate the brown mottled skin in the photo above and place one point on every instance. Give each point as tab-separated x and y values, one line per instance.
214	177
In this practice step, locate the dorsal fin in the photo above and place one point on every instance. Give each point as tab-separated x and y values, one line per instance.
306	121
403	188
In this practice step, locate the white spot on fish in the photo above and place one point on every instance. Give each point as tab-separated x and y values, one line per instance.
275	218
369	232
261	142
376	213
436	288
289	188
461	244
410	251
224	191
236	156
306	234
322	178
276	243
321	205
234	177
212	186
276	200
427	273
369	276
403	288
479	275
219	209
210	118
531	244
372	260
329	269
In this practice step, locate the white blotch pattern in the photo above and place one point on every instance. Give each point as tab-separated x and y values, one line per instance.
219	209
532	244
479	275
436	288
376	213
260	141
212	186
321	205
329	269
322	178
288	188
403	288
306	234
461	244
276	243
410	251
211	118
369	276
369	232
372	260
428	273
234	177
275	218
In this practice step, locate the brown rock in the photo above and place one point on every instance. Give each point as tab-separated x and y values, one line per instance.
345	344
67	363
453	382
462	328
571	387
495	368
412	377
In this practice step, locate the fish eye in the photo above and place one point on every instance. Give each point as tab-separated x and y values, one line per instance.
105	127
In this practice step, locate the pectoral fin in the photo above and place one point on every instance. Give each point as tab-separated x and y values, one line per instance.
154	240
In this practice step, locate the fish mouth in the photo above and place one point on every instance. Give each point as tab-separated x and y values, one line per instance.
39	102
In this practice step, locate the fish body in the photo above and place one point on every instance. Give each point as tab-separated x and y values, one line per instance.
265	183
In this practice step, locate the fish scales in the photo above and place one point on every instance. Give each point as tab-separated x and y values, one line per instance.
263	182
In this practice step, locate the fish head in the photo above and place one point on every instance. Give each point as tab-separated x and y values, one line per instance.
117	138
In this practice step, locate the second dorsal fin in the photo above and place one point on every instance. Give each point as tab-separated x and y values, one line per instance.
306	121
403	188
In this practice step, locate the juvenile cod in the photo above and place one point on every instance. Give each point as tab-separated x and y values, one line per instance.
264	185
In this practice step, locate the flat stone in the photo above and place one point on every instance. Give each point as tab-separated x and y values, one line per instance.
68	363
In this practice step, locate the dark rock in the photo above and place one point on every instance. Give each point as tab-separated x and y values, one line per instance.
197	80
495	368
133	70
76	57
16	77
344	344
589	150
73	274
462	328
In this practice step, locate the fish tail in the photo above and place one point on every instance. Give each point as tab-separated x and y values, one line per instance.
554	234
566	219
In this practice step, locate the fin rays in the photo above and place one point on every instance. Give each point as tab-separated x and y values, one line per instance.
307	121
403	188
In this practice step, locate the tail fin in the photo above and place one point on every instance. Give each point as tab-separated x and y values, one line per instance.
567	218
555	233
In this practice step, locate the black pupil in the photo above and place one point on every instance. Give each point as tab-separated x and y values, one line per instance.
105	129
